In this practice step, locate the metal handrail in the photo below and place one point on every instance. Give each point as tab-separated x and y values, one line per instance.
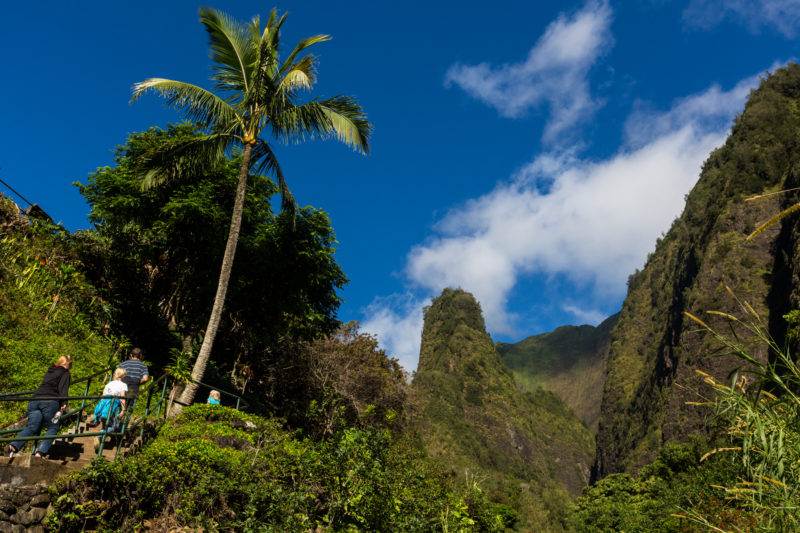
126	427
87	378
239	399
17	396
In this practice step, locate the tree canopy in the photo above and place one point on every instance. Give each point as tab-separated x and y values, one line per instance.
257	95
156	251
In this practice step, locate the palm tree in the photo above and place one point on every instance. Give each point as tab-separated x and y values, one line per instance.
258	96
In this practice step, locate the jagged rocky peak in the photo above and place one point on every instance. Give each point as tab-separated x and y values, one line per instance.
473	416
454	309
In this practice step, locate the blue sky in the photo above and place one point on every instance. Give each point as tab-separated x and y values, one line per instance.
529	152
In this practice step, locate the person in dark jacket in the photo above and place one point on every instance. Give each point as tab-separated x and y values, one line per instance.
41	412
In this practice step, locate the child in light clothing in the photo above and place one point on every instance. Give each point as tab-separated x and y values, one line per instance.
213	397
108	409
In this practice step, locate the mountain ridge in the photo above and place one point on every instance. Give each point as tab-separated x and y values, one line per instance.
569	361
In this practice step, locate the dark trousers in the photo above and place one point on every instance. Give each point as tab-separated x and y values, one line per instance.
40	412
131	403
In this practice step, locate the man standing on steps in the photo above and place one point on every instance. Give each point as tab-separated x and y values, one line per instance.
136	374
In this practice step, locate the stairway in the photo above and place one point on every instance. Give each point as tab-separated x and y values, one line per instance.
70	451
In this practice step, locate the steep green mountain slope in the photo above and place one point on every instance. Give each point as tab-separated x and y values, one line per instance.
527	449
569	361
655	348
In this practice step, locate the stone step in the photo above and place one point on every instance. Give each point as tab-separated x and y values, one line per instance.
27	469
70	451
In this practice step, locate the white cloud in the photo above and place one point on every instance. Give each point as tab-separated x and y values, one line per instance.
710	110
555	71
595	225
397	322
586	316
591	222
782	15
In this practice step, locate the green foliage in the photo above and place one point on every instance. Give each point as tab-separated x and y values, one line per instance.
260	97
680	478
653	347
569	361
793	321
337	380
157	253
180	367
760	408
746	480
221	470
47	309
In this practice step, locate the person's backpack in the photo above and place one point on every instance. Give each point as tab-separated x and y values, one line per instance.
107	408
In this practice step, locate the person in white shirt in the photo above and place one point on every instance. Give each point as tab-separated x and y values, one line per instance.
109	409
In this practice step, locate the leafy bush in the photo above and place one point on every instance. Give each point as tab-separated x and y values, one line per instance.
678	479
333	382
222	470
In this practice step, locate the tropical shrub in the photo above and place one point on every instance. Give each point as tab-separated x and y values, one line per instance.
677	480
333	381
222	470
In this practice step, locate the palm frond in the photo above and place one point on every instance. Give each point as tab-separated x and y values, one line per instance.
196	103
340	117
264	67
350	124
181	158
272	30
266	162
254	27
301	46
299	76
230	50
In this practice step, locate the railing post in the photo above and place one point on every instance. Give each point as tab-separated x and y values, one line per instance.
83	404
161	401
102	438
149	399
146	411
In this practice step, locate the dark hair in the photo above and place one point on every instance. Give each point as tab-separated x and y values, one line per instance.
136	353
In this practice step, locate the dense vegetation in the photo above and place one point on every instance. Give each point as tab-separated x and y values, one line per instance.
697	430
759	409
674	493
155	253
47	308
743	478
256	101
221	470
655	349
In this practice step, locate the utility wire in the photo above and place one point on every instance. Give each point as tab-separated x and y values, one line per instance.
15	192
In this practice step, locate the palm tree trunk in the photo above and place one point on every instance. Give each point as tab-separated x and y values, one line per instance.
222	286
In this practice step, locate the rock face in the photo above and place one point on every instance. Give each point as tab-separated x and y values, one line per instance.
23	508
655	349
527	446
569	361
